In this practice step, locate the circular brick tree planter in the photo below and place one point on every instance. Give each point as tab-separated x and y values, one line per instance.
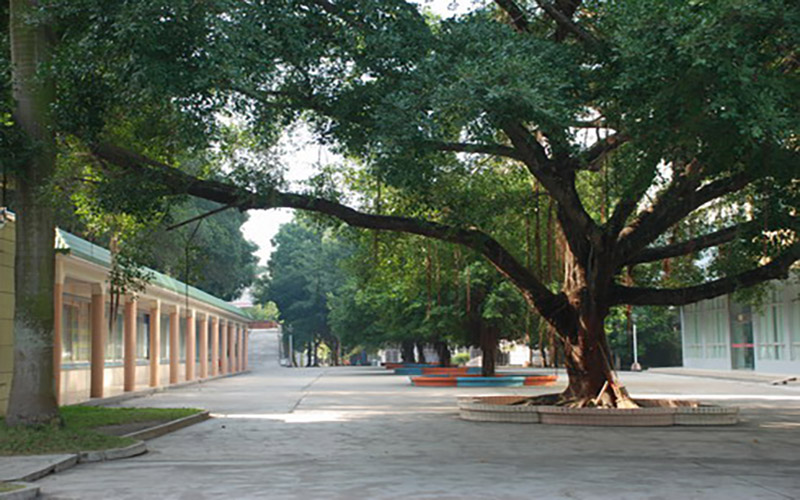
653	413
478	381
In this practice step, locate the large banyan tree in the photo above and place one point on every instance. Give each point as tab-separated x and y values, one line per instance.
663	131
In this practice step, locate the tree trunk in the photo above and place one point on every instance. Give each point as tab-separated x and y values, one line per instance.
443	351
588	362
309	348
587	356
407	351
421	353
488	346
33	399
336	348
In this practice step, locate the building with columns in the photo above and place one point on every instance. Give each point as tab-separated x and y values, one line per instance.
105	345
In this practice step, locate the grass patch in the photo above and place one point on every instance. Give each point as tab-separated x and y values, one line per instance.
79	429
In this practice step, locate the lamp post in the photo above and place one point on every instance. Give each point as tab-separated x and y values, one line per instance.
635	367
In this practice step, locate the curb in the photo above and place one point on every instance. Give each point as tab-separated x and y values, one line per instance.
138	448
498	409
171	426
65	464
27	491
125	396
133	450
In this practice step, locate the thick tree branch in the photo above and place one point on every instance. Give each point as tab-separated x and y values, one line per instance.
592	158
690	246
778	268
580	228
486	149
561	12
553	307
516	15
674	204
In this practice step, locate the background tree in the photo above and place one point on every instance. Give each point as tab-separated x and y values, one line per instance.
301	273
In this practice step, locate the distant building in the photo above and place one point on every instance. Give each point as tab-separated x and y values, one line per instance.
169	333
720	334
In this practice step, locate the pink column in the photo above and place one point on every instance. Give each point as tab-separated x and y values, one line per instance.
190	344
174	344
223	347
129	341
203	347
155	343
214	347
99	335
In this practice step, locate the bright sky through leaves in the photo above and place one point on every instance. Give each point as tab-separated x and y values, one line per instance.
302	155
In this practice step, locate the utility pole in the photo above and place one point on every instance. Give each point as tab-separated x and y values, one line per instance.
636	367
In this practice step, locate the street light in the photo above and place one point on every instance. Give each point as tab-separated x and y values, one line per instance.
635	367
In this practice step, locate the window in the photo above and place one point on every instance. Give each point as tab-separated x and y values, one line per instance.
76	336
717	345
182	338
142	336
771	342
210	338
164	337
115	344
691	324
794	329
197	340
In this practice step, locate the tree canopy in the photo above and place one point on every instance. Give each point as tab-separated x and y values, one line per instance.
659	130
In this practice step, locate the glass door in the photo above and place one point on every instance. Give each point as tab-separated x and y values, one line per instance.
741	337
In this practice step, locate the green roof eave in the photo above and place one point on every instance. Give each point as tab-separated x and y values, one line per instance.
69	243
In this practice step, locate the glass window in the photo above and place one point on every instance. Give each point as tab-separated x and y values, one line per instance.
794	329
210	337
76	336
142	336
182	338
164	336
771	342
197	340
114	345
694	342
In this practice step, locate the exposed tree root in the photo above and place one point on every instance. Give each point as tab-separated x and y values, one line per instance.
611	396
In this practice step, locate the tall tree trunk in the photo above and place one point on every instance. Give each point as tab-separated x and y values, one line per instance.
32	398
488	344
443	351
336	349
587	356
309	348
407	351
421	353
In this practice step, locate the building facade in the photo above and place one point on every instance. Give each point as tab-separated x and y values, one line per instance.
721	334
105	345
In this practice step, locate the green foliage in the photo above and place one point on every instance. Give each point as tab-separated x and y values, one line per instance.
302	272
264	312
460	359
658	336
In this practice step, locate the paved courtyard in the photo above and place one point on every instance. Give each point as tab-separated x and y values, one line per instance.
362	433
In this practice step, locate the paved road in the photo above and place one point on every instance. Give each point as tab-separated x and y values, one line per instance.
361	433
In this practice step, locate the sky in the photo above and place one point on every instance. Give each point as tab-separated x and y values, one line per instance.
302	155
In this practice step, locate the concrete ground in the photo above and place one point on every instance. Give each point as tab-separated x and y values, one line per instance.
364	433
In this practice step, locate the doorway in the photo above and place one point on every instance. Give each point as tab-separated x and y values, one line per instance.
742	348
